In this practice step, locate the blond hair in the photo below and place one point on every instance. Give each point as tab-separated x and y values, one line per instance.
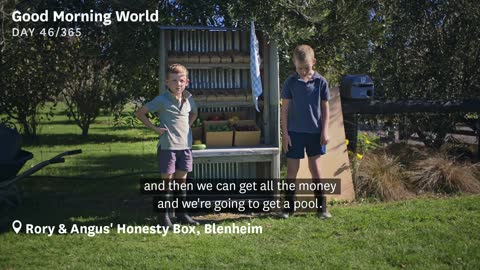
303	53
177	69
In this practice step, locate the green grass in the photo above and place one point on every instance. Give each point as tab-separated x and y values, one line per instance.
420	233
106	150
87	190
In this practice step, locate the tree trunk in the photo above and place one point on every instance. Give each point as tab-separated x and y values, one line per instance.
85	130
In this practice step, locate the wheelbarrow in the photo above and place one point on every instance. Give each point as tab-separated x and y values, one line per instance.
12	159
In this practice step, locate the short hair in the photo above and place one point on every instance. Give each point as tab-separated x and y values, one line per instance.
303	53
177	69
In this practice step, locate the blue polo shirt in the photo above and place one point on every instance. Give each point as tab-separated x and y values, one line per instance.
304	111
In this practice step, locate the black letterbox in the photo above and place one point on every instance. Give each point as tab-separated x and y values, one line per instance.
356	87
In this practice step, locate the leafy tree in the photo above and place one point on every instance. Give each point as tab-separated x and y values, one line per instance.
90	87
30	70
428	50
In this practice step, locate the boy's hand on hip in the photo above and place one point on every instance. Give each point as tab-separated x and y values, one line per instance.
324	139
286	142
160	130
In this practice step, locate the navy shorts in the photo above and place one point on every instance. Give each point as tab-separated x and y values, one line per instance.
170	161
305	142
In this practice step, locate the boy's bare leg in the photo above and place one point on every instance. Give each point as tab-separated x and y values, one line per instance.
292	170
183	216
181	176
167	196
167	176
314	167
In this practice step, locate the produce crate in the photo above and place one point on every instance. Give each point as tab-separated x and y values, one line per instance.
217	138
246	137
208	116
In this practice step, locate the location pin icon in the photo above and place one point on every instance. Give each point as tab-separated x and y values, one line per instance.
17	225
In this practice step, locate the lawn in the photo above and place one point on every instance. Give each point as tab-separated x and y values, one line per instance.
100	187
421	233
105	152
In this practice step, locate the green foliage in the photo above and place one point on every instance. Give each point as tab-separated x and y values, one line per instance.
31	72
339	31
218	128
367	143
197	123
412	50
428	50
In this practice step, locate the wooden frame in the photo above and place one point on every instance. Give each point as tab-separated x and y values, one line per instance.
239	40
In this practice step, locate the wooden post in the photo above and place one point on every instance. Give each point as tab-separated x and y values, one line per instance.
274	103
162	61
267	89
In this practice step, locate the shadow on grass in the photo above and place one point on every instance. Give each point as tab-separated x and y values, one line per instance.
59	122
82	202
113	128
99	165
76	139
96	203
98	190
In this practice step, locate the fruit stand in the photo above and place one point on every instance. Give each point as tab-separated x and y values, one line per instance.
239	141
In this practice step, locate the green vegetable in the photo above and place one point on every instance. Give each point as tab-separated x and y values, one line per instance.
199	146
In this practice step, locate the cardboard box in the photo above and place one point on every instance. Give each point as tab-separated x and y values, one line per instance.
246	138
225	58
193	58
217	138
237	56
198	95
245	58
182	57
215	58
172	57
204	58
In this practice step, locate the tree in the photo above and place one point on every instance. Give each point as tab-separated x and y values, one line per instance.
90	87
428	50
30	71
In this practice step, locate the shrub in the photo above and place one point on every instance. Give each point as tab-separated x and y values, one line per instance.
407	154
382	176
440	174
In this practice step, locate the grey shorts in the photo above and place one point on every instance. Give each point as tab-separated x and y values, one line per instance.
170	161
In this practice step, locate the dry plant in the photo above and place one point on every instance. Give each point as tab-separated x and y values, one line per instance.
440	174
408	154
382	176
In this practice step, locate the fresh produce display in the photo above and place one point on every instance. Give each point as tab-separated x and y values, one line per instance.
233	119
218	128
215	118
245	128
199	146
197	142
197	123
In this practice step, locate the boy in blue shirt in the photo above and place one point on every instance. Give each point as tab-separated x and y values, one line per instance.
305	116
177	112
